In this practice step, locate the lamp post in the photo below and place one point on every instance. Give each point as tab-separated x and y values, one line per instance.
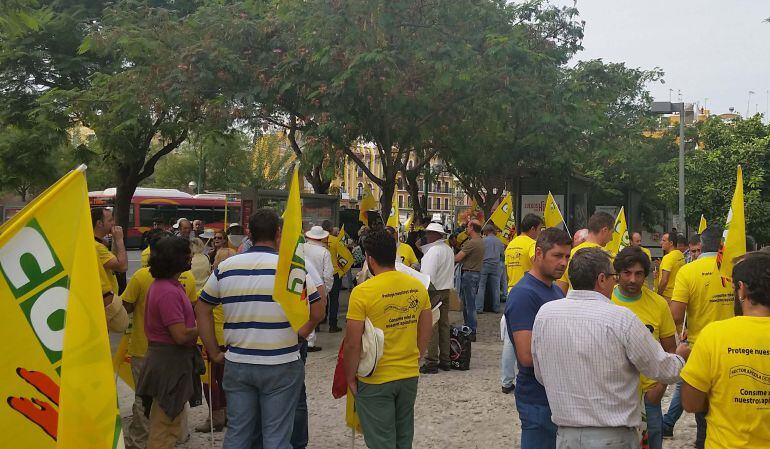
666	107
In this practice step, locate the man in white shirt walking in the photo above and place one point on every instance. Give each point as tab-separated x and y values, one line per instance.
438	263
588	353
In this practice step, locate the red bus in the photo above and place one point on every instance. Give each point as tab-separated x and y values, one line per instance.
168	205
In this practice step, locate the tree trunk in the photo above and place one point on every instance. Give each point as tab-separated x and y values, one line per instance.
413	188
386	199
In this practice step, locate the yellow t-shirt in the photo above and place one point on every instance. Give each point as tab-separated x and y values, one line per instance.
393	302
731	364
653	311
145	257
518	258
671	262
406	254
332	246
136	294
703	306
646	251
107	277
565	276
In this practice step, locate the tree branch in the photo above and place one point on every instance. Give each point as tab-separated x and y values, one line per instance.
349	152
149	165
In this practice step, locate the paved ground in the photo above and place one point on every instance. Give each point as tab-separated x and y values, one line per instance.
453	409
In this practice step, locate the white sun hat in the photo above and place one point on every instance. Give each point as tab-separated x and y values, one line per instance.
435	227
316	233
372	347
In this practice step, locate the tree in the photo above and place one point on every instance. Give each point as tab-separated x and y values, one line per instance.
710	174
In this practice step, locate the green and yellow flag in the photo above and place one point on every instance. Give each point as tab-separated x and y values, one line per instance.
393	220
703	225
504	218
734	236
552	215
367	203
620	238
289	288
56	377
344	258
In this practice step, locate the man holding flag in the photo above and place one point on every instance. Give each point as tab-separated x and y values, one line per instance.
263	373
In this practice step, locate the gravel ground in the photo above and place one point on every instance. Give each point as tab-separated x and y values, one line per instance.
453	409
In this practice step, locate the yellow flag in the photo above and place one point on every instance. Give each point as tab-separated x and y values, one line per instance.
289	288
734	236
56	377
393	220
367	203
344	258
503	217
121	362
703	225
552	215
620	238
351	417
408	222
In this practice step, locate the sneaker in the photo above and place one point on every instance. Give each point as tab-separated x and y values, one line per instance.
508	390
313	348
429	369
668	433
473	338
445	366
334	329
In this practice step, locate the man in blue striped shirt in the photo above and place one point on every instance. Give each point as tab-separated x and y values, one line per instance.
263	371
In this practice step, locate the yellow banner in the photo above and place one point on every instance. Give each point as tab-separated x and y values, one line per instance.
56	378
703	225
367	203
351	417
552	215
734	236
289	289
121	362
620	238
503	217
393	220
408	222
343	257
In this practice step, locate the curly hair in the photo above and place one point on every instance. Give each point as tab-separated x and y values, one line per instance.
630	256
381	247
754	271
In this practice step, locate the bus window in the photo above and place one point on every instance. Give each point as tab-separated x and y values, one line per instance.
150	212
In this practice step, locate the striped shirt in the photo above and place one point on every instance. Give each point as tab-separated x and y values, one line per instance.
588	354
256	328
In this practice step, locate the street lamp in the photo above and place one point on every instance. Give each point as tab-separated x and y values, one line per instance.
666	107
192	185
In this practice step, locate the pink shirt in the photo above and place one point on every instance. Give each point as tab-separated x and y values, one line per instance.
167	304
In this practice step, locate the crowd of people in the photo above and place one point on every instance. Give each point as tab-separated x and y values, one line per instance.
591	339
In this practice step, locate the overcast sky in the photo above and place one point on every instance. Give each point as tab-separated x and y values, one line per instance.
715	49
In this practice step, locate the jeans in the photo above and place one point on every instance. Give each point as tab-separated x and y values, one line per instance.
674	408
489	283
299	435
537	429
261	404
470	286
503	281
508	363
386	412
654	425
700	430
597	438
333	307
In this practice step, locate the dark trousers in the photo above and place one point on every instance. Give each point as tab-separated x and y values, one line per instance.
333	306
700	430
299	435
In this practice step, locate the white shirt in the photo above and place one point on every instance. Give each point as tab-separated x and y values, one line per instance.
438	262
588	354
321	258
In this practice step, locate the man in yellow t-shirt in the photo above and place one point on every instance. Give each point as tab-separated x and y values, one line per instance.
108	263
669	265
521	250
636	240
633	267
398	304
134	298
600	227
407	255
726	375
703	302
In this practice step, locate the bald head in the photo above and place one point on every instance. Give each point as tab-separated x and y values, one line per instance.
580	236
